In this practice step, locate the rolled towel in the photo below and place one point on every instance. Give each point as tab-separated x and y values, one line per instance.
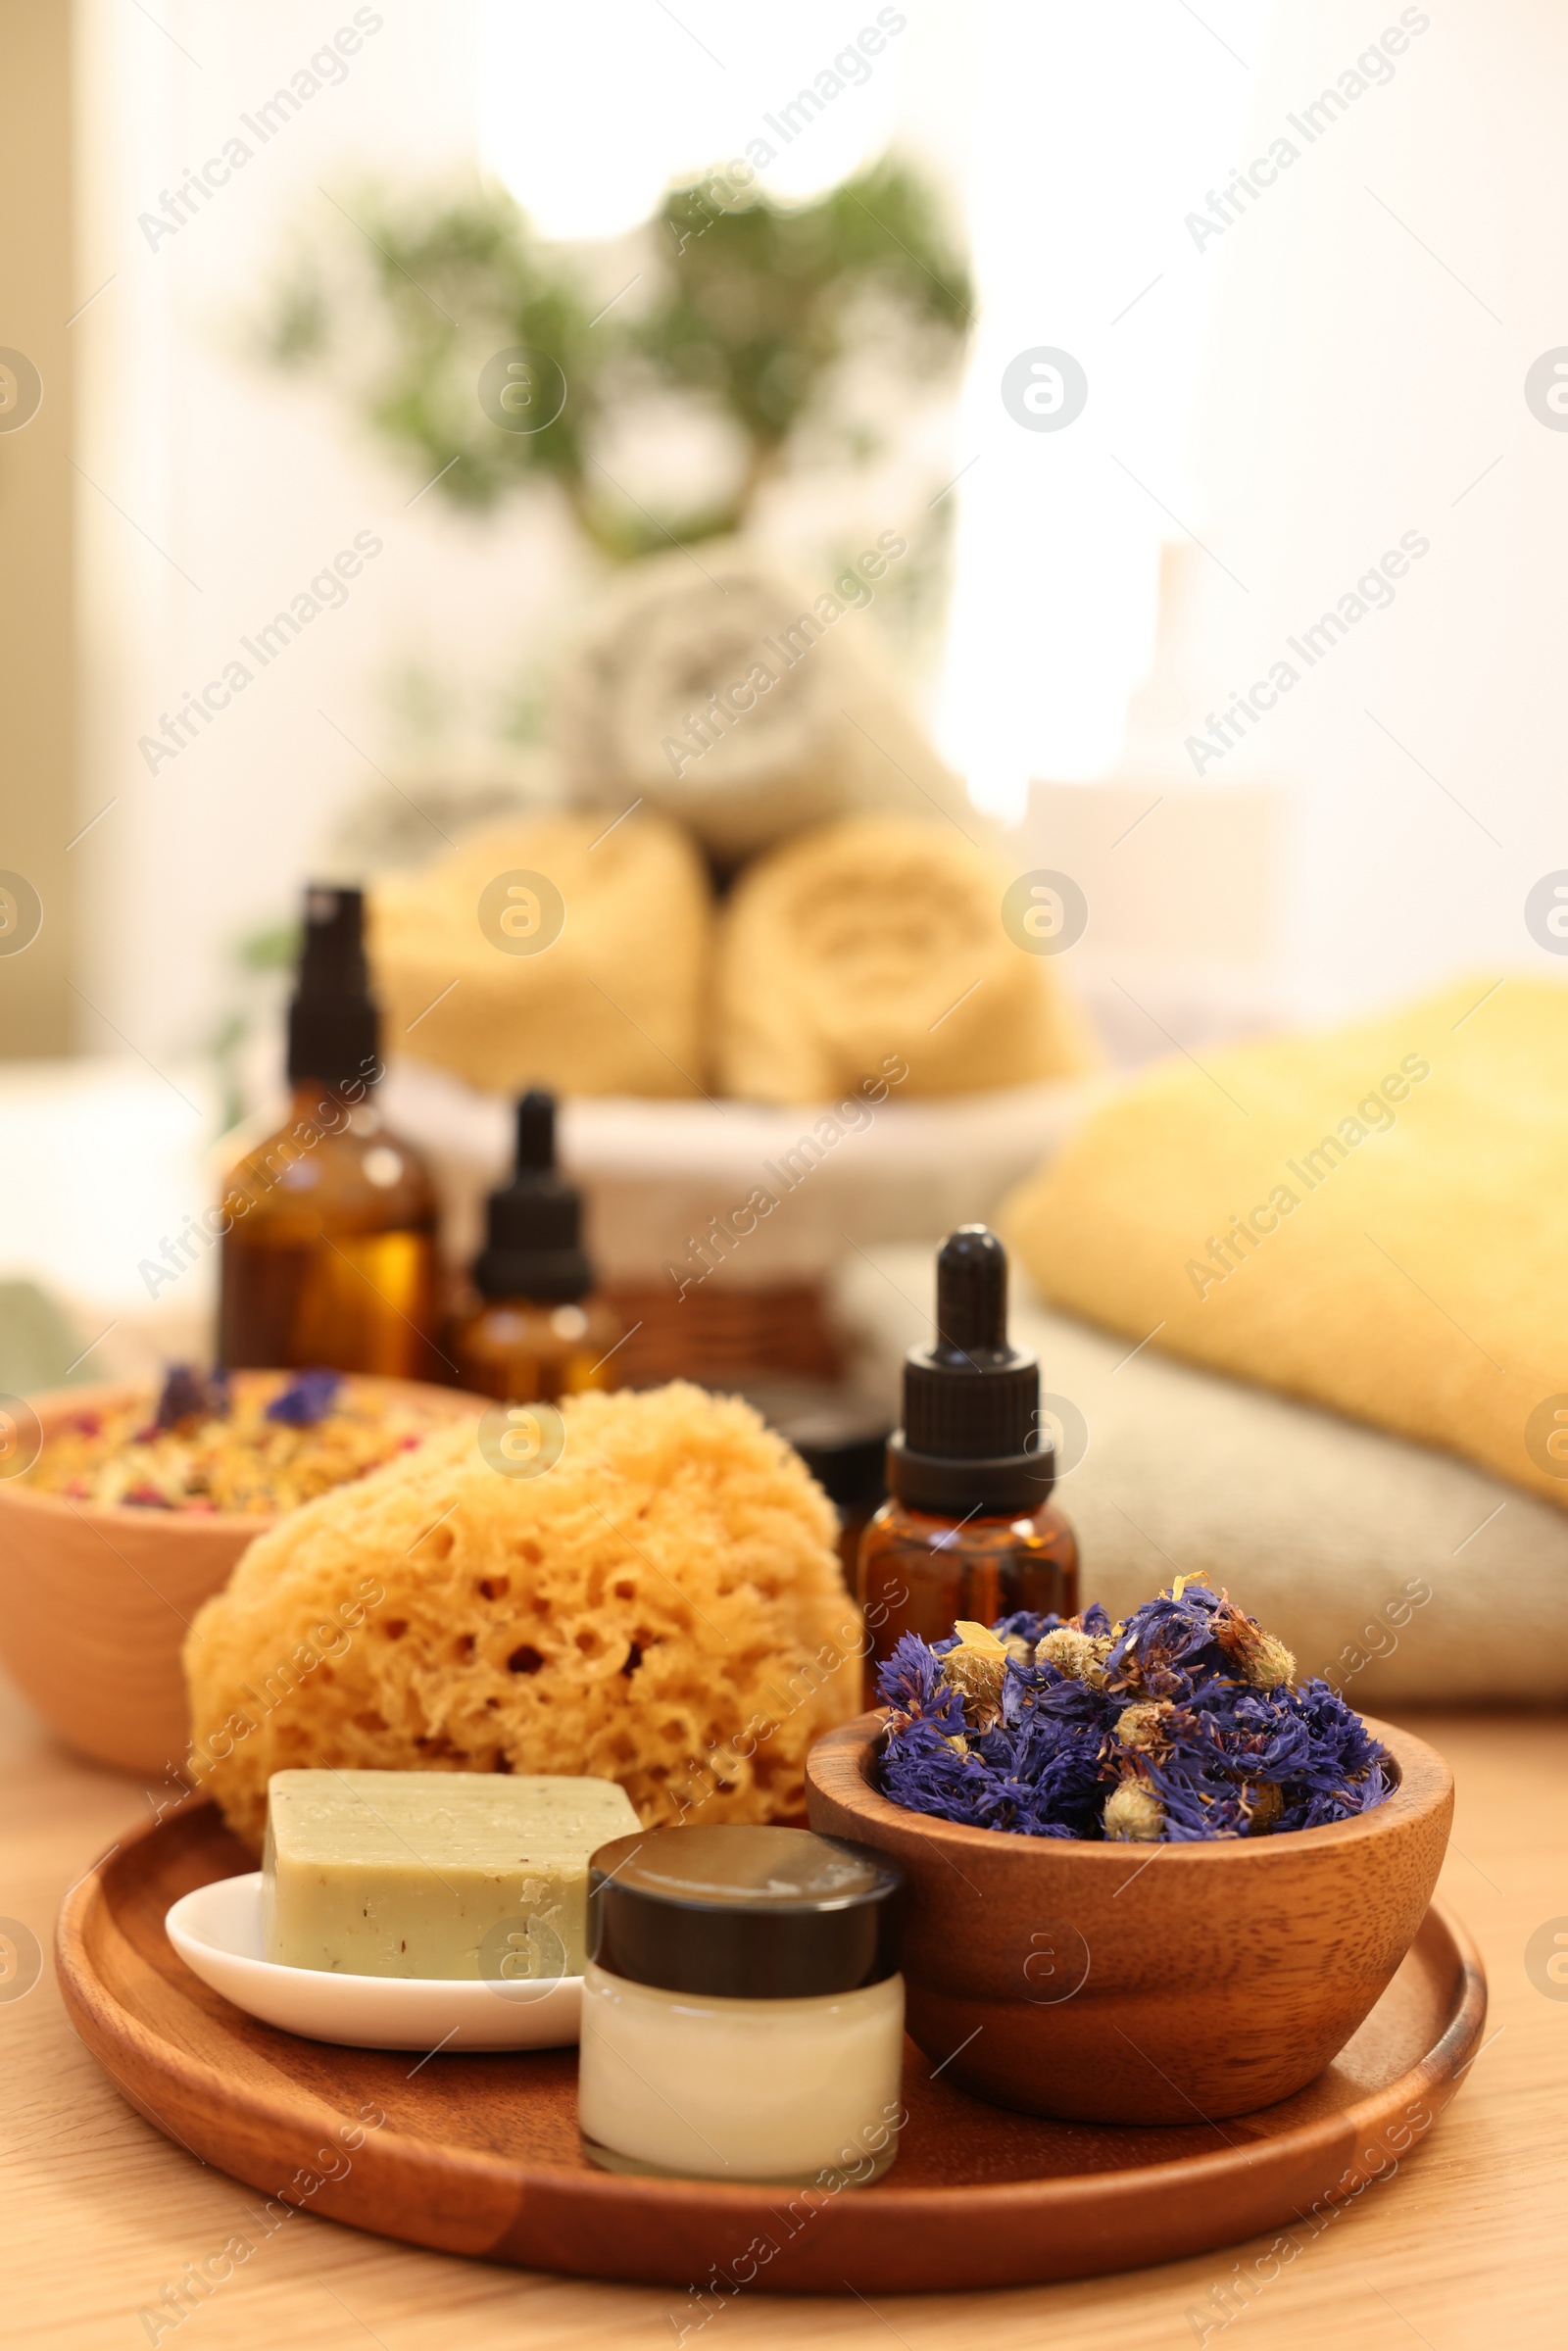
743	702
553	952
878	938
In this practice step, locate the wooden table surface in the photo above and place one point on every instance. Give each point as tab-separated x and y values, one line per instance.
1465	2250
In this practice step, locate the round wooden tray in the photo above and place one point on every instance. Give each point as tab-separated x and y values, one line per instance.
479	2155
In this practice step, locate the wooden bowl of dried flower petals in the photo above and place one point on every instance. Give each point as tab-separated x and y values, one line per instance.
1111	1951
122	1510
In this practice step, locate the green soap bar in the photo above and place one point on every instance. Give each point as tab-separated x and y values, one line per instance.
448	1874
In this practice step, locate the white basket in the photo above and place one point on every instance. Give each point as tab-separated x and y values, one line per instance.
659	1177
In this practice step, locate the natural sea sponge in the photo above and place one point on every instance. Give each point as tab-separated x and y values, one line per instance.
662	1607
587	977
883	935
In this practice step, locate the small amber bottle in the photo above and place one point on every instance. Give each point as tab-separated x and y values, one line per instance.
968	1529
537	1331
329	1226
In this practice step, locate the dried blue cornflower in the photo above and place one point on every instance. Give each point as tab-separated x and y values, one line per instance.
911	1681
305	1400
189	1394
1180	1724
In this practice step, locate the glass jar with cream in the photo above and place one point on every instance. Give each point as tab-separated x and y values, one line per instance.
742	2010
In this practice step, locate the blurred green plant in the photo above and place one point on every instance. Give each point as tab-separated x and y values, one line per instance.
745	310
255	962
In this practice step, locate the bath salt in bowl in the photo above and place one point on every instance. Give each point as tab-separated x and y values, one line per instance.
114	1529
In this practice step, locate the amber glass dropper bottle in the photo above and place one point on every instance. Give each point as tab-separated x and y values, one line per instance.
537	1331
968	1529
329	1225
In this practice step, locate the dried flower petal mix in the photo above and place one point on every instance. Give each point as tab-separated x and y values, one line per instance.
257	1443
1182	1723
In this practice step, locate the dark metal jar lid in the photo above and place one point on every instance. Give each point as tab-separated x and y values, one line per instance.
744	1914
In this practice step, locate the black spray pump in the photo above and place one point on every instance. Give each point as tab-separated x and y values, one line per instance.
533	1247
970	1440
333	1024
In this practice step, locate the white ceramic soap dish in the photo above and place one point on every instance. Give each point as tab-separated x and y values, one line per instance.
217	1933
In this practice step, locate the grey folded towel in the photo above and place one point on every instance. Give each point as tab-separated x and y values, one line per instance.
1402	1573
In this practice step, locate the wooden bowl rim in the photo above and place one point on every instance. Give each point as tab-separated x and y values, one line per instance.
839	1766
52	1405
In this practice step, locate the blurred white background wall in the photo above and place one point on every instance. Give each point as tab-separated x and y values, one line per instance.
1281	397
218	491
1377	316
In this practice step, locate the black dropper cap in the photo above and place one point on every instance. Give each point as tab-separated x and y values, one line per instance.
333	1022
970	1440
533	1224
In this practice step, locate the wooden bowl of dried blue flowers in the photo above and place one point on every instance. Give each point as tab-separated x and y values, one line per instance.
1150	1875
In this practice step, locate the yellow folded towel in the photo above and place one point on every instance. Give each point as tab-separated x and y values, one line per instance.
1376	1219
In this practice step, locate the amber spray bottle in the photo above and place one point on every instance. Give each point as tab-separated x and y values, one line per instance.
329	1225
537	1331
969	1530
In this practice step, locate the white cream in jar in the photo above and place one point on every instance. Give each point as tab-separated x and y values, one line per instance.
741	2015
